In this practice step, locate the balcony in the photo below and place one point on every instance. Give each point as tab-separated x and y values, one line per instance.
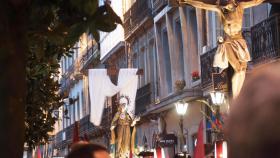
143	99
158	5
266	40
89	57
65	85
207	67
86	128
59	139
139	12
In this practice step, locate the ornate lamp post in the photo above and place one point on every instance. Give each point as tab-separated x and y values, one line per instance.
217	97
181	108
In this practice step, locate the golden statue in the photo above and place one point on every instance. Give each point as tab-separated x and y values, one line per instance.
123	121
234	49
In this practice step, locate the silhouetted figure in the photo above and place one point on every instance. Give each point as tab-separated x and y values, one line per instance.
253	126
88	151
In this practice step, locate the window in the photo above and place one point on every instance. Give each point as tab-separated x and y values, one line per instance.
72	114
81	105
167	62
151	60
247	18
78	108
194	40
152	67
135	55
141	58
64	116
204	28
179	41
219	27
215	28
64	64
69	115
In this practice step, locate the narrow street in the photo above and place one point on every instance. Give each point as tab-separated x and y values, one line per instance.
140	78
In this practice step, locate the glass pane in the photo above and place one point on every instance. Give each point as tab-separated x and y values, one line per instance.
167	62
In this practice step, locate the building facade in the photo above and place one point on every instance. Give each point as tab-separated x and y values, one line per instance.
170	44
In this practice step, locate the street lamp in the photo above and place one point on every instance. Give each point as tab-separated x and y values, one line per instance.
217	97
181	108
221	149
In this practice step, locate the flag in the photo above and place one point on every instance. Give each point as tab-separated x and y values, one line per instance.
38	152
157	153
76	133
199	151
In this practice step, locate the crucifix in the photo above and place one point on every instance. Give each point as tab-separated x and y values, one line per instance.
114	71
233	49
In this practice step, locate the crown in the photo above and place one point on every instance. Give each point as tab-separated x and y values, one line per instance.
125	97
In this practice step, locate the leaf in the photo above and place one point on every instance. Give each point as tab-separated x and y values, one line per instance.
106	24
90	7
75	32
94	32
113	15
105	19
86	6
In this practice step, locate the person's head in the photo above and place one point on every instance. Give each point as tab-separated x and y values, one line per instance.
108	2
253	126
88	151
124	102
227	4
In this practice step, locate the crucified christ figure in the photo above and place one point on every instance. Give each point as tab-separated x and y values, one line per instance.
234	49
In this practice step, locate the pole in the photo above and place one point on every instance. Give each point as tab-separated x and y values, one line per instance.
182	132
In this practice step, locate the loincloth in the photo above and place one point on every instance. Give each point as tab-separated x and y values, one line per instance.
233	51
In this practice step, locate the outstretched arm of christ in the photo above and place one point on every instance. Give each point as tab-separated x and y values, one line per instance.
251	3
200	5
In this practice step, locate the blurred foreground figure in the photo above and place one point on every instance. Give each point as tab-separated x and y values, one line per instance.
253	127
84	150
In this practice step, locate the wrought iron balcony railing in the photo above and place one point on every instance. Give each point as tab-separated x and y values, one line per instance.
89	56
266	40
207	67
263	41
158	5
59	138
143	99
134	17
86	128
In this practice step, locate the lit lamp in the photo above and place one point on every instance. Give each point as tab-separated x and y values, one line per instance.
181	107
220	149
217	97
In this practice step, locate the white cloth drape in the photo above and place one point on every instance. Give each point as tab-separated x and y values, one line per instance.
127	82
100	87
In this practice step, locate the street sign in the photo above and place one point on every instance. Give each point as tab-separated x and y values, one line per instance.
168	140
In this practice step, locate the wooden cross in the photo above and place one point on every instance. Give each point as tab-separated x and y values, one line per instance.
114	71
